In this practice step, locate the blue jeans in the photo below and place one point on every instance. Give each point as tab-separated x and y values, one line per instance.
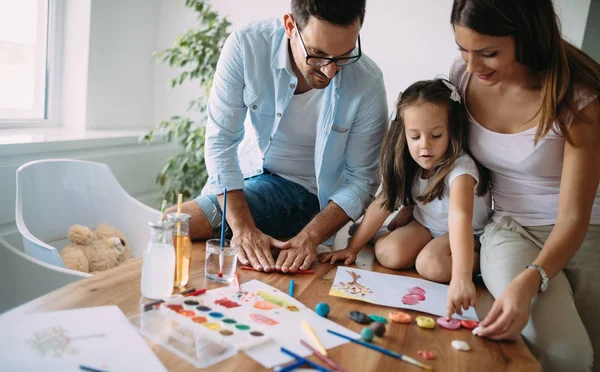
280	208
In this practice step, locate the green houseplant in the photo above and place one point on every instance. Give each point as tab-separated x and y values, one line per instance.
195	55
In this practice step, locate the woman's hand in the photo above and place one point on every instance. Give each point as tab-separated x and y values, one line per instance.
461	295
510	312
349	256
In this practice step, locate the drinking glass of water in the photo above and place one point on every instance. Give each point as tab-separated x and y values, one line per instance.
213	267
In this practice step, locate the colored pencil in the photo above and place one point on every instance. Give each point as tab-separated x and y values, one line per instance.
385	351
309	271
236	280
325	359
313	335
90	369
291	290
306	361
289	367
223	220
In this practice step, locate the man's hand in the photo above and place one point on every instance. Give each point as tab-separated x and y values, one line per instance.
254	248
300	255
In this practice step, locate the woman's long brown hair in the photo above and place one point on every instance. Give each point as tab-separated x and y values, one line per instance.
539	45
399	169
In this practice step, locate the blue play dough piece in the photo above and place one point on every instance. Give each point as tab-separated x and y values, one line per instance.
367	334
322	309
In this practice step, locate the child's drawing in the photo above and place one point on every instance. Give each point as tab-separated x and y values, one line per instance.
52	342
353	287
394	291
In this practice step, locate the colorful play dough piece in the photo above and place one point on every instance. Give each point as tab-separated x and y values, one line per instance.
367	334
469	324
377	318
460	345
378	328
425	322
360	317
400	317
448	324
427	355
322	309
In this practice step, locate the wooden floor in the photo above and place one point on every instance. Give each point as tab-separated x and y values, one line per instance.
121	286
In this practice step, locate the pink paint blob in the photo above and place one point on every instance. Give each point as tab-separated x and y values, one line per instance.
417	290
264	320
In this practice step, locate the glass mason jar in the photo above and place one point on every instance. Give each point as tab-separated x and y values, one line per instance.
158	264
183	247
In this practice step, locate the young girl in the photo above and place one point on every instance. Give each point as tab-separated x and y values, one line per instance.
443	195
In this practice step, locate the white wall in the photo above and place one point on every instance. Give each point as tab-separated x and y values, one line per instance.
120	81
410	40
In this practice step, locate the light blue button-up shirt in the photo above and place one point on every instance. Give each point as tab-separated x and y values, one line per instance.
254	76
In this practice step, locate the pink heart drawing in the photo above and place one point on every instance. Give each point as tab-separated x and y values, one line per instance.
414	296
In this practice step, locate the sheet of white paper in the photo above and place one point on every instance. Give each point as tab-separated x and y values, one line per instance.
96	337
394	291
285	329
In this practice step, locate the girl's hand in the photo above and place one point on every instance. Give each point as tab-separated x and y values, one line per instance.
347	255
461	295
510	312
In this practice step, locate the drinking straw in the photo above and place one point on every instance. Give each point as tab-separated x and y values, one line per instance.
179	202
161	218
223	221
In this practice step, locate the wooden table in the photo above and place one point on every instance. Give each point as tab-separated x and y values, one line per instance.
121	286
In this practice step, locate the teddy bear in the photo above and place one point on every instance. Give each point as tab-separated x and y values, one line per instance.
94	251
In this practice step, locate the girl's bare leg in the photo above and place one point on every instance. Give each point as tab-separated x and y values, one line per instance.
434	262
399	248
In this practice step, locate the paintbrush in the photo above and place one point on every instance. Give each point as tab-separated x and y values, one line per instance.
223	221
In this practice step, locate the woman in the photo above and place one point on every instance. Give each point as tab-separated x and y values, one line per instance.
532	101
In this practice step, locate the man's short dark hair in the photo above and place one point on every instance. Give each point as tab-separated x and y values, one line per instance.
337	12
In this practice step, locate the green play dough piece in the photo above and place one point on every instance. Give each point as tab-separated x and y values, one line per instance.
377	318
367	334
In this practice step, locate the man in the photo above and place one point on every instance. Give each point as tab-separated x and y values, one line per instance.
308	158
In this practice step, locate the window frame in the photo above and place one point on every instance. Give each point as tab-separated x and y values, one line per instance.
51	69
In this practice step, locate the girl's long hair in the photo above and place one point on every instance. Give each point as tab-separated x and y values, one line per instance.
539	45
399	170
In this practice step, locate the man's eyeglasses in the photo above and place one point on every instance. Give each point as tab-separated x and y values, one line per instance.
324	61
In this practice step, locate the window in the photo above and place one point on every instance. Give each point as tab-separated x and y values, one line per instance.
23	59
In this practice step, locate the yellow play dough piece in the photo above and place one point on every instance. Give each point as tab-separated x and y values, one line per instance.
425	322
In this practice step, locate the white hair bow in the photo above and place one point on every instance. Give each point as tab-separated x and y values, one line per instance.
454	95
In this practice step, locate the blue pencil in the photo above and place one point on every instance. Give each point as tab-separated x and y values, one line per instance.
289	367
304	360
291	288
90	369
223	222
383	350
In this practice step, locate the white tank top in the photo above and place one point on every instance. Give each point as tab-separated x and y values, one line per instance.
525	177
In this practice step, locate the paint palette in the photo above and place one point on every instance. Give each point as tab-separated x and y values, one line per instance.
215	317
200	348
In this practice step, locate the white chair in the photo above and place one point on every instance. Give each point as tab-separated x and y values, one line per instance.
25	278
54	194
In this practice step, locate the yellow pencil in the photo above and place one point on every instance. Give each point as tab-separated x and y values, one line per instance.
312	334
